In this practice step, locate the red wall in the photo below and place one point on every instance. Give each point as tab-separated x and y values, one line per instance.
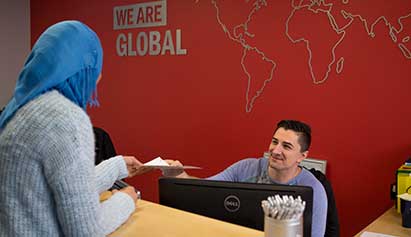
193	107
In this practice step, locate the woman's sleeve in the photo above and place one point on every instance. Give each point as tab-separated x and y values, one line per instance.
70	172
109	171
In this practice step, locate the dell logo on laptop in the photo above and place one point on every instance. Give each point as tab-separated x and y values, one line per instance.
232	203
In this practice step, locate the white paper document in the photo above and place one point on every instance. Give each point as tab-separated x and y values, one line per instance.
373	234
162	164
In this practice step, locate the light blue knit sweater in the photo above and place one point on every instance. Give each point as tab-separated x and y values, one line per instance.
49	185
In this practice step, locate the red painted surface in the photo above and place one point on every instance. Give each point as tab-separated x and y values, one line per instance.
193	107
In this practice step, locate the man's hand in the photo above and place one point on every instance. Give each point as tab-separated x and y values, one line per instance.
135	167
178	172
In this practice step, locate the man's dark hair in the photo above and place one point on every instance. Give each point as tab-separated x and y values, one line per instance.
302	129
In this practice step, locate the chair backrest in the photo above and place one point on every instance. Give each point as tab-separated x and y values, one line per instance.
317	164
332	228
104	146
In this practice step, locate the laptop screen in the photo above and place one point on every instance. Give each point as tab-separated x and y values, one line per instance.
234	202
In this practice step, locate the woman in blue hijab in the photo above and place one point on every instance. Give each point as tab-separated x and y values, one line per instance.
68	58
48	183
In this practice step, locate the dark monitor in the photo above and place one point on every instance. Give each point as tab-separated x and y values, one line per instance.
238	203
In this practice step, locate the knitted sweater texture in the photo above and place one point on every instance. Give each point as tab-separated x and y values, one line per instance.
49	185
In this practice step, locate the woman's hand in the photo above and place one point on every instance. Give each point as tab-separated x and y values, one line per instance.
135	167
129	190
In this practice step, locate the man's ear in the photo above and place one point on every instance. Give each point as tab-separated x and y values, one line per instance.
304	155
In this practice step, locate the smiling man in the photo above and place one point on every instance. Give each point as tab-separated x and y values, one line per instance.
280	165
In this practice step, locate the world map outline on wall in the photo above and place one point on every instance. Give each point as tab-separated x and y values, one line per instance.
240	33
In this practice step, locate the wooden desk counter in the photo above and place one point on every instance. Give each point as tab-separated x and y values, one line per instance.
152	219
389	223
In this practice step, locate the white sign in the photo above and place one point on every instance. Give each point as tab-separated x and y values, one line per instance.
147	14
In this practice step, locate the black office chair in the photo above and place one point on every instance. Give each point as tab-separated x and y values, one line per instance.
104	146
332	228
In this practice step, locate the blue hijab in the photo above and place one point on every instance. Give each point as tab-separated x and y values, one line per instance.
67	57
